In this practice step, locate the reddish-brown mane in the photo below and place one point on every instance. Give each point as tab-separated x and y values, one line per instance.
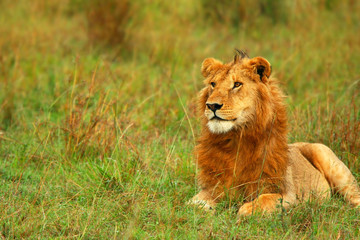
248	160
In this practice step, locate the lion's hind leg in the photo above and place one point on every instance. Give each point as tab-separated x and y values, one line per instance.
335	171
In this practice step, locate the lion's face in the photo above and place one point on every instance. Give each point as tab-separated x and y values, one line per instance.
232	91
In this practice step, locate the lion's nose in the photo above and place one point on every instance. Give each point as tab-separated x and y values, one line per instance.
214	106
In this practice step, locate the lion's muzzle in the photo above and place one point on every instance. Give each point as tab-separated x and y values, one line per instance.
214	106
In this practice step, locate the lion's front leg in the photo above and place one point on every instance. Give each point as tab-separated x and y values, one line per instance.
264	203
205	199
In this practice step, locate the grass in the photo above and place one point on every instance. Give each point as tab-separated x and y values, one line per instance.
97	134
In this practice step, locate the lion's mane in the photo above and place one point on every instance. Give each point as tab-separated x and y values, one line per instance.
247	159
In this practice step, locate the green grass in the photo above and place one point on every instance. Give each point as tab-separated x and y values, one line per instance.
97	134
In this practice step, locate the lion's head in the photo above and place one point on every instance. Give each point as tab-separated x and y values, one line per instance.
235	92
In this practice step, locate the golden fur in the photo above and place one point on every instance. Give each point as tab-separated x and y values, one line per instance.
243	149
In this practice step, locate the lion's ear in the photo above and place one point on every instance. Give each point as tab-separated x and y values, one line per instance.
210	65
262	67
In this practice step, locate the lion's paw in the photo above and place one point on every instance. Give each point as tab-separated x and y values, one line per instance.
201	203
355	203
247	209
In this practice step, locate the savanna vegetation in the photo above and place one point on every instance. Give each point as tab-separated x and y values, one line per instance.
98	122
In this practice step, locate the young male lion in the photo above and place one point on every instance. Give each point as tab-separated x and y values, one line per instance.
243	149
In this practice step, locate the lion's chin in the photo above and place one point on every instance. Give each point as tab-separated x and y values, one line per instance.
219	126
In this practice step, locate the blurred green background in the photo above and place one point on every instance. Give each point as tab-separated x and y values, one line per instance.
98	121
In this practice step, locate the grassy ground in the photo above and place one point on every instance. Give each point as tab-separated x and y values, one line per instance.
97	119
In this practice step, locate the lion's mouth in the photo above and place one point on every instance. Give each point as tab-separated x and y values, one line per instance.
221	119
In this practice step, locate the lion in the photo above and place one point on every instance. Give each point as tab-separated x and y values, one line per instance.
243	150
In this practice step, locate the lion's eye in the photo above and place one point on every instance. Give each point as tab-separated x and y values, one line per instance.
213	84
237	84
